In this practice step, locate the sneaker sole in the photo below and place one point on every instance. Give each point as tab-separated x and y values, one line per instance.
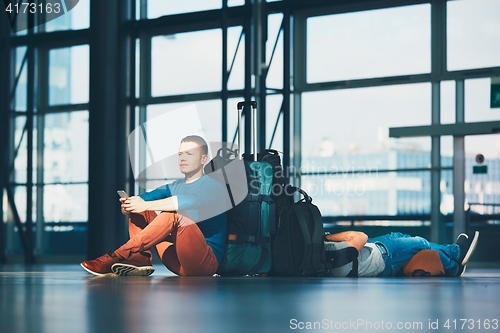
471	249
131	270
463	271
95	273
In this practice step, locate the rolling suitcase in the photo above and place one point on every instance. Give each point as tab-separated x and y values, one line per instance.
249	223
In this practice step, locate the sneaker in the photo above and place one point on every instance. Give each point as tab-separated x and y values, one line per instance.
467	244
101	265
461	239
461	270
139	264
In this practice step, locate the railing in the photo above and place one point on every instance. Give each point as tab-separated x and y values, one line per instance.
476	218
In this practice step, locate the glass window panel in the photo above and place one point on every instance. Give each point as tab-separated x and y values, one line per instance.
377	43
21	158
487	145
273	108
66	147
447	151
187	63
157	8
477	101
21	23
237	74
232	3
275	71
472	32
76	19
482	188
137	67
360	190
20	98
448	108
334	139
232	121
20	199
446	187
354	121
209	113
65	203
163	144
69	75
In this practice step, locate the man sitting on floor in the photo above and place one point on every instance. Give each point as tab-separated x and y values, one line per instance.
189	232
386	255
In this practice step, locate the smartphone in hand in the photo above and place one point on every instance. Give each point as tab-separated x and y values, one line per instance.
122	194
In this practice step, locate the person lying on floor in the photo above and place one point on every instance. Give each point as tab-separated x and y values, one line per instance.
386	255
189	233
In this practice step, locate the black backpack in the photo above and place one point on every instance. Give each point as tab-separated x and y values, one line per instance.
298	247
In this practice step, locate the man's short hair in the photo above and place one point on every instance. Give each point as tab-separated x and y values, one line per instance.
199	140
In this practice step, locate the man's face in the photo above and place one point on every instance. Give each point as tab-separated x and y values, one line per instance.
191	157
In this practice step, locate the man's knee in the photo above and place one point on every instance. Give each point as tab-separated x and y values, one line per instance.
184	221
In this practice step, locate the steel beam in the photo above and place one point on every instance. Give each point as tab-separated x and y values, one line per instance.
458	129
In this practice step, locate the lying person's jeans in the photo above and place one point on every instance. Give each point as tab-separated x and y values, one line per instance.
401	247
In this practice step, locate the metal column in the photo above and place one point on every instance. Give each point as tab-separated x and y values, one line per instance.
4	123
249	59
438	67
459	224
260	19
436	220
29	256
225	71
287	60
299	82
108	162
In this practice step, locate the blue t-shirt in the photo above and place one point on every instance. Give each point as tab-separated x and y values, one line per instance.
203	201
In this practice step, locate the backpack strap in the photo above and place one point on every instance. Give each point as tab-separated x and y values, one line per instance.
241	239
223	169
317	239
307	236
342	257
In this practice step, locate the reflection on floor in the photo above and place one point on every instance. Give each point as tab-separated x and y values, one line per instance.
66	299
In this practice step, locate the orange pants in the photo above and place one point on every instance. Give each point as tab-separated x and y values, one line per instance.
178	241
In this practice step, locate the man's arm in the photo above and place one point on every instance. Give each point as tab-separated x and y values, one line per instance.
357	239
138	205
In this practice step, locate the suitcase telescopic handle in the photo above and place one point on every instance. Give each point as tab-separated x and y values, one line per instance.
253	104
240	105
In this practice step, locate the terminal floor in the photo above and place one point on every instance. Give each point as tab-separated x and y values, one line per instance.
66	299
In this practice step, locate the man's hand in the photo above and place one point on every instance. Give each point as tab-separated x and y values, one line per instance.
122	201
133	204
